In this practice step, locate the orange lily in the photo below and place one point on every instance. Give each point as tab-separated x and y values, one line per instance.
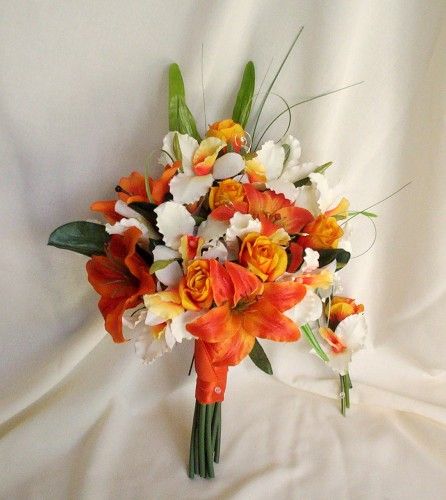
121	277
129	189
273	210
246	309
160	187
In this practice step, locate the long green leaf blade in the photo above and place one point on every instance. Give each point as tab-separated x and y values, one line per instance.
243	103
86	238
260	359
309	335
180	117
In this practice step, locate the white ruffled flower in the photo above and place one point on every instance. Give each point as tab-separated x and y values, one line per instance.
131	218
212	229
307	310
171	274
351	332
215	250
240	225
173	221
188	146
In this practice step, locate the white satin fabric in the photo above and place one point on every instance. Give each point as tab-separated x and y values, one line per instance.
82	103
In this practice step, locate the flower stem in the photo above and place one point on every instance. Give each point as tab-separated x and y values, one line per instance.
218	436
208	441
309	335
201	439
342	395
191	471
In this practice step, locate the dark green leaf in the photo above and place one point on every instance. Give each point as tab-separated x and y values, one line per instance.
145	209
160	264
242	107
329	255
180	117
260	359
303	182
287	149
86	238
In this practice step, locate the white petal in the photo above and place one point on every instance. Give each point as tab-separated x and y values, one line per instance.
242	224
212	229
284	187
189	188
311	260
271	156
297	172
123	209
216	250
133	321
308	309
228	165
178	324
169	337
339	362
188	146
353	331
326	197
295	150
173	220
306	198
170	275
153	319
148	348
121	227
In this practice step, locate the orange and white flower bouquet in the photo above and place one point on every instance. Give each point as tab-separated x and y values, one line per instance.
230	246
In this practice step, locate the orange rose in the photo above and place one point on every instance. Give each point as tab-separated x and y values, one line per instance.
263	257
340	308
195	288
226	193
323	233
226	130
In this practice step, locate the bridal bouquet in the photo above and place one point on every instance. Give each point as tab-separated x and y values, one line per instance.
232	244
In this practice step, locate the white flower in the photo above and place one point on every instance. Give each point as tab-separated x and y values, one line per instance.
306	198
240	225
215	249
311	260
326	197
308	309
351	332
188	146
131	218
173	221
171	274
189	188
212	229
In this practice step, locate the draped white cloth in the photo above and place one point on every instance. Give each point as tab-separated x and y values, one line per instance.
82	103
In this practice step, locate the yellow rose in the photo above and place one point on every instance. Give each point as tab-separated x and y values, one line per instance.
195	287
323	233
263	257
227	192
226	130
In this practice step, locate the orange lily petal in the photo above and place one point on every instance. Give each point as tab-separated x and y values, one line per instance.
265	321
233	350
226	212
107	208
134	188
217	325
160	187
283	295
293	219
296	260
222	286
245	283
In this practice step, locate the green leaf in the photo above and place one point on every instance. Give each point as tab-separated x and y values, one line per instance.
362	212
322	168
329	255
160	264
242	107
312	340
180	117
260	359
177	148
86	238
145	209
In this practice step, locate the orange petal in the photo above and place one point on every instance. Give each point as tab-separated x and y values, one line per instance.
232	351
133	186
222	286
265	321
109	278
226	212
283	295
217	325
160	187
296	260
245	283
107	208
293	219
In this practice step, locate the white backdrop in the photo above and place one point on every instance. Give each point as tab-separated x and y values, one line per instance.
82	102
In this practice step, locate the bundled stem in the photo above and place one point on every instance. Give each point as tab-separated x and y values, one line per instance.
345	386
205	440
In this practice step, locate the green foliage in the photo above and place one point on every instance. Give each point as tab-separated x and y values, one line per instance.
86	238
180	117
260	359
242	107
